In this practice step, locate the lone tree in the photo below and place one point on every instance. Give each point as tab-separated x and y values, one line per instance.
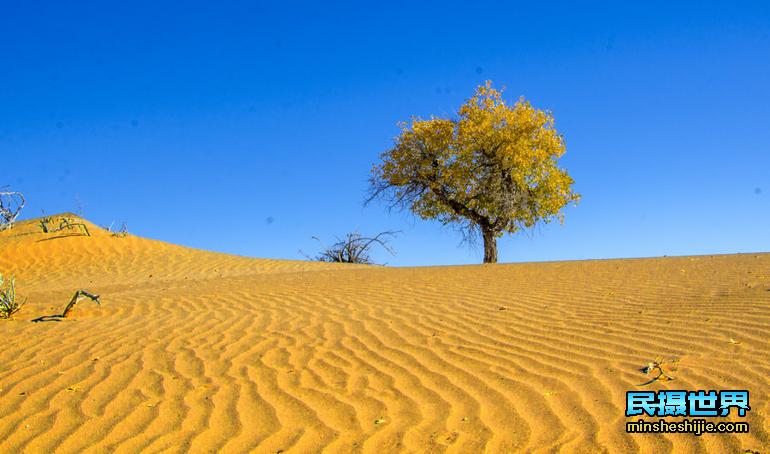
492	170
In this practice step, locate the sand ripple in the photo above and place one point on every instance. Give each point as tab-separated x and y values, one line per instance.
203	352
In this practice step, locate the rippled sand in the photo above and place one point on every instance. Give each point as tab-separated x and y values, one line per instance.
205	352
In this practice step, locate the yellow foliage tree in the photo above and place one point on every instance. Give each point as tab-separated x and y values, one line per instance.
492	170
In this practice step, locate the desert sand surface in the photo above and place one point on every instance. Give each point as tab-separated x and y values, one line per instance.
205	352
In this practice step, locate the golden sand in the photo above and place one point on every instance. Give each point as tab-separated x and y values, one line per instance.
205	352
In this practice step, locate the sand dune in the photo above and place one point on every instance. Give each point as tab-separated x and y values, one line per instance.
205	352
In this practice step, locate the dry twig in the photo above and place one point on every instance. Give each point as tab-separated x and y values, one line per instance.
657	366
11	203
64	224
76	297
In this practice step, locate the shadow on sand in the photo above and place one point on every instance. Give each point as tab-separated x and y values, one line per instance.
49	318
67	235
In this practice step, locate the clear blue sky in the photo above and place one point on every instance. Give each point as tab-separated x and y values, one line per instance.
249	127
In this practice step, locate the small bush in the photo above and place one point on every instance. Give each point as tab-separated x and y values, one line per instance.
43	224
8	303
354	248
65	223
122	232
70	224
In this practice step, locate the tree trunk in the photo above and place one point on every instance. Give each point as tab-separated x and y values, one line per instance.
490	245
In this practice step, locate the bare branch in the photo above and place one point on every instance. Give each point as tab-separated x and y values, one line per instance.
354	248
11	204
76	297
66	224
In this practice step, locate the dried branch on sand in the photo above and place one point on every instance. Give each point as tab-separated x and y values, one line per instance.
64	224
76	297
657	366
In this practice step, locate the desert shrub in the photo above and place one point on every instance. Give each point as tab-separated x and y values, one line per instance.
8	303
65	223
70	224
355	248
122	232
43	224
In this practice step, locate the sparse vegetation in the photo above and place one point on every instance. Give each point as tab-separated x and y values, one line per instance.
43	223
69	224
8	303
65	223
122	232
11	204
355	248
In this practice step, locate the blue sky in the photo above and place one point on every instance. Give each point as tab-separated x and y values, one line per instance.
248	127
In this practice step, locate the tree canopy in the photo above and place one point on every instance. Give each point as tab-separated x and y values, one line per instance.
491	170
